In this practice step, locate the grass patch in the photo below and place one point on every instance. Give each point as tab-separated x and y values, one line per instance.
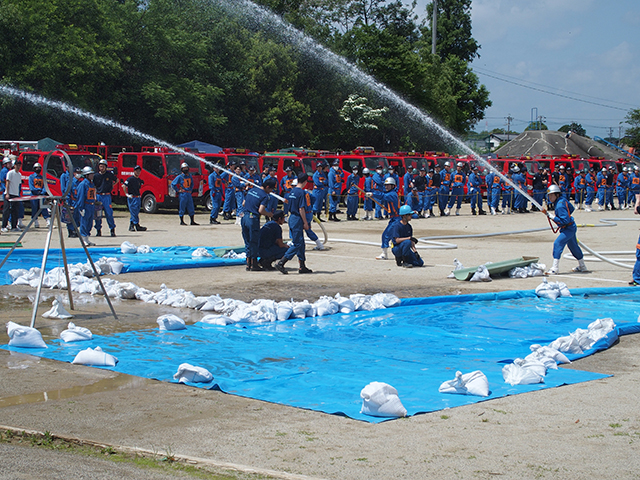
162	462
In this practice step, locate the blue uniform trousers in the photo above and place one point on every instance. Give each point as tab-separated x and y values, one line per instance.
229	200
86	221
107	211
251	234
636	267
134	209
272	253
386	235
457	195
403	251
567	237
216	200
296	229
352	204
319	199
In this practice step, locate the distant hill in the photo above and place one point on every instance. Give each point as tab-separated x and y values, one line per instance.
550	142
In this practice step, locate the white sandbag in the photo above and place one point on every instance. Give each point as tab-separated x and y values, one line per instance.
127	290
300	309
326	306
17	272
170	322
210	303
386	299
22	336
190	373
600	328
381	400
95	357
128	247
473	383
74	333
567	344
345	304
457	265
532	364
361	301
547	290
517	375
212	319
57	311
285	309
481	275
116	267
548	351
201	252
142	249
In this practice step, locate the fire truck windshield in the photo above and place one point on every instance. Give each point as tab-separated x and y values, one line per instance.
247	159
373	163
84	160
174	160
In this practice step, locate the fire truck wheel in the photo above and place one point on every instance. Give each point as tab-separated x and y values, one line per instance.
149	204
208	203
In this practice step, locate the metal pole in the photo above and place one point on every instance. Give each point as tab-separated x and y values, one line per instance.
434	28
56	208
43	269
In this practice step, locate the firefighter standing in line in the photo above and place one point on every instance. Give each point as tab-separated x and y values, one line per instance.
183	184
104	181
132	186
36	186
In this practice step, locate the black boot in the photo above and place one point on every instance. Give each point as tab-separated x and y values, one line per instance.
182	221
399	261
473	212
132	227
113	232
266	264
98	233
140	228
280	265
255	266
193	222
481	212
248	265
303	268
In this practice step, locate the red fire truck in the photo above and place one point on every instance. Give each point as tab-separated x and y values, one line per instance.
160	166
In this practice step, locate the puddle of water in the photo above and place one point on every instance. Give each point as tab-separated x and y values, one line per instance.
120	382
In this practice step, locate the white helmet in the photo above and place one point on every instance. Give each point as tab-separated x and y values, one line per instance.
460	164
447	164
184	165
87	170
390	181
553	189
516	168
36	165
367	172
103	162
6	160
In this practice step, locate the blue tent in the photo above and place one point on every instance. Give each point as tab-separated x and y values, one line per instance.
201	146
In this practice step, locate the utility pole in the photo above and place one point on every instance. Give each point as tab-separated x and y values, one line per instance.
509	119
434	27
540	119
610	133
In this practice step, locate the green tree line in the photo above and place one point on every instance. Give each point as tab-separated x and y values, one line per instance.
192	69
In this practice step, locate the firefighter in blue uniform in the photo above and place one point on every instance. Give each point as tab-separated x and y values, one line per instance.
590	181
215	190
352	194
286	185
474	191
229	194
336	177
634	185
320	189
255	204
458	181
404	243
297	225
580	187
567	226
36	186
368	187
104	181
390	203
378	189
84	205
183	185
132	187
443	193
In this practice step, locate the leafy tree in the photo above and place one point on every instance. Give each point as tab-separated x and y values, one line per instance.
632	134
453	32
536	126
573	127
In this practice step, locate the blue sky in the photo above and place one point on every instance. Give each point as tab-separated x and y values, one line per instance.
536	53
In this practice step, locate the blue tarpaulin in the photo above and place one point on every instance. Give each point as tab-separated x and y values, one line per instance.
323	363
162	258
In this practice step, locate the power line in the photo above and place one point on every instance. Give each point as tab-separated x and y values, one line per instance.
484	70
551	93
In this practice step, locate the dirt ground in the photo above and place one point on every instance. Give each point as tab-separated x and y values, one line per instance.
589	430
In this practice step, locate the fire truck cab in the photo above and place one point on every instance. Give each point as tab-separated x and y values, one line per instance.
160	166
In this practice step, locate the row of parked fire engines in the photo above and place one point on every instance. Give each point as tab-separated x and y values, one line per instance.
161	165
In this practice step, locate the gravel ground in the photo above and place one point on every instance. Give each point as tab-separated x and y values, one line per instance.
587	430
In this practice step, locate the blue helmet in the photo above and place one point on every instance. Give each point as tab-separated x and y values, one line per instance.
406	210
